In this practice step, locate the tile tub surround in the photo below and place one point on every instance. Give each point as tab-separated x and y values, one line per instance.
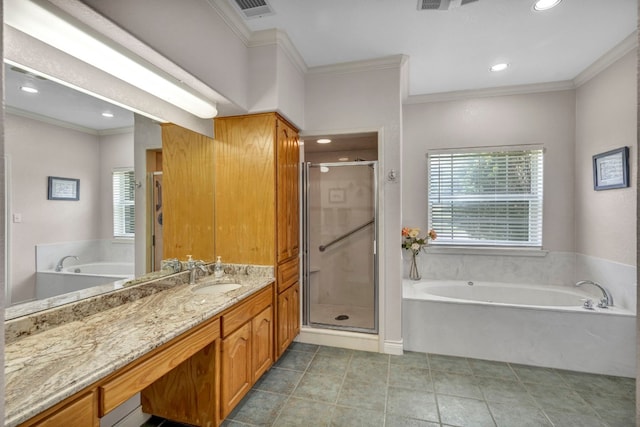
327	386
43	369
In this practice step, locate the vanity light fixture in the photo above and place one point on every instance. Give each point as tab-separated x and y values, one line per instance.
323	141
45	23
28	89
499	67
324	169
107	114
541	5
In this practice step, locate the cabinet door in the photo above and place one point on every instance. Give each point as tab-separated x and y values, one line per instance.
262	342
236	375
288	317
287	158
80	413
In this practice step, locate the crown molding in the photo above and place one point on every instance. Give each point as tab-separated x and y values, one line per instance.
66	125
281	39
606	60
232	19
486	93
384	63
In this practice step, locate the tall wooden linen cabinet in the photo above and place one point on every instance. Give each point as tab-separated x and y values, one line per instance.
256	206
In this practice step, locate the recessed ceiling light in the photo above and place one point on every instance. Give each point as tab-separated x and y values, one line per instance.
343	159
323	141
499	67
545	4
28	89
107	114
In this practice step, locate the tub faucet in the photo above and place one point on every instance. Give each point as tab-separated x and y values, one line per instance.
59	264
607	300
193	267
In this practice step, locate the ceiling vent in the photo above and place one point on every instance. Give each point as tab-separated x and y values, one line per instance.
254	8
442	4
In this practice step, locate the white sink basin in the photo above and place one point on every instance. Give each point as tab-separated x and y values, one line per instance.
215	288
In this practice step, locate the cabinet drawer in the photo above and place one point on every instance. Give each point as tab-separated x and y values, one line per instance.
288	273
80	413
246	311
131	381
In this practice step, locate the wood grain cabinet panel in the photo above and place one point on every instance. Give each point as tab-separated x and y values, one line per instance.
288	325
82	412
257	203
236	367
262	336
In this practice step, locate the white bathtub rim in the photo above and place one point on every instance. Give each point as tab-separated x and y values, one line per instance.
408	293
69	270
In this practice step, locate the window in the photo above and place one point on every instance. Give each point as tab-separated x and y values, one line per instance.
486	197
123	202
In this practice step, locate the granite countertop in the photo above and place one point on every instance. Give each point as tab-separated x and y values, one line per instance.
44	368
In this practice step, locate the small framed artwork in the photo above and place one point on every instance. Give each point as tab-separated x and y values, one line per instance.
336	195
63	188
611	169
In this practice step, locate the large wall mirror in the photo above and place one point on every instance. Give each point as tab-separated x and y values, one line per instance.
60	140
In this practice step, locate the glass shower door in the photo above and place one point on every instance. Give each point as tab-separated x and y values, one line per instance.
340	289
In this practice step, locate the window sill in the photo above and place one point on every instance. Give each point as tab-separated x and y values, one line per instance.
480	250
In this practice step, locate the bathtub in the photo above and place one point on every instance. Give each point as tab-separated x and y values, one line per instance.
534	325
81	276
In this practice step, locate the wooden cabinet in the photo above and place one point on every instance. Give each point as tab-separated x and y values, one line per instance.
80	412
257	202
187	175
247	347
288	317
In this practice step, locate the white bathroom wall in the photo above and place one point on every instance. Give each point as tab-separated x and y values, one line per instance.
116	151
367	97
37	150
606	118
536	118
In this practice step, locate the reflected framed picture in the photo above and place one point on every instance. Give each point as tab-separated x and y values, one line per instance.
336	195
63	188
611	169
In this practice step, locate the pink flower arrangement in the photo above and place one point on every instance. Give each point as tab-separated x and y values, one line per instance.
412	240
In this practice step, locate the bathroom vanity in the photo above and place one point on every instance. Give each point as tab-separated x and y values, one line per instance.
192	356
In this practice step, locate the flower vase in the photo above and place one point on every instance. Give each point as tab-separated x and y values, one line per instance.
414	273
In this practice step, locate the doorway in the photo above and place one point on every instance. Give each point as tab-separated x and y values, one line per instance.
340	199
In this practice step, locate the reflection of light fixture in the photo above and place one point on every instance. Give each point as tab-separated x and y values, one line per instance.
499	67
545	4
107	114
28	89
324	169
323	141
343	159
45	24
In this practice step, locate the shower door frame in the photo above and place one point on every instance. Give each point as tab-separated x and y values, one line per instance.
306	264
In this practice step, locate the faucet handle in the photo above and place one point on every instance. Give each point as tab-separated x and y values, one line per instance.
603	303
588	304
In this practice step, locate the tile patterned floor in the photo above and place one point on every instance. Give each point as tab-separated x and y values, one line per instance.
327	386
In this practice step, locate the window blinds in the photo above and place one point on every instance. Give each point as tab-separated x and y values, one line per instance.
490	197
123	203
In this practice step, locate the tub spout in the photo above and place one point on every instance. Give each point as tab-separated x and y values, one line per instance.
607	300
59	264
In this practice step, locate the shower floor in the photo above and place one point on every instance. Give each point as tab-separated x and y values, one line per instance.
359	317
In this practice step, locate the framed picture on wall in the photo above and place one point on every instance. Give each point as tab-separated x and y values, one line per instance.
63	188
611	169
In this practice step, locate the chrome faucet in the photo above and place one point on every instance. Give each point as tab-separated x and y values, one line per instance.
606	301
59	264
193	267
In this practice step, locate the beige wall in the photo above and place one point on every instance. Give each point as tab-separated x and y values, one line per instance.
37	150
343	99
540	118
606	118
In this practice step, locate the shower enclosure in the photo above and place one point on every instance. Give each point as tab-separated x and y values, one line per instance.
340	285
